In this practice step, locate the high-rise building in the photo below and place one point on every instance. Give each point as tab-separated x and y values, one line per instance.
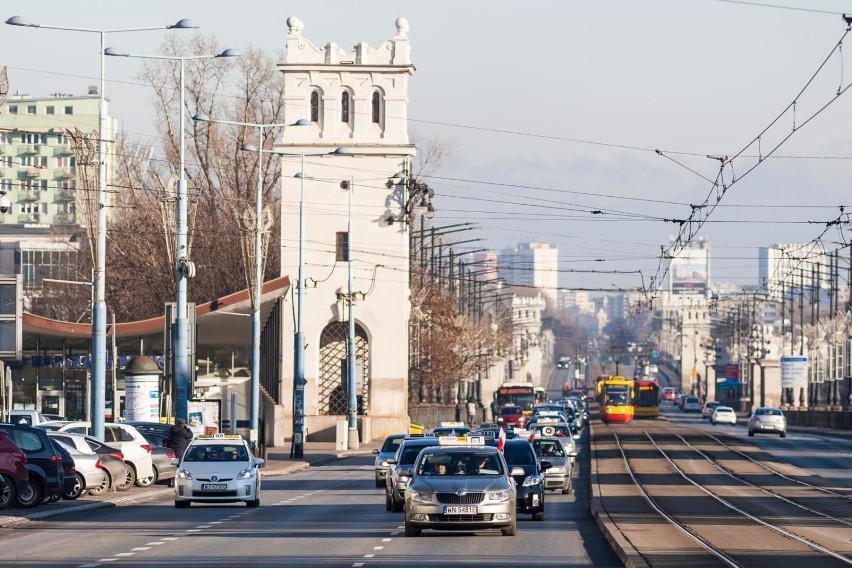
534	265
39	174
785	266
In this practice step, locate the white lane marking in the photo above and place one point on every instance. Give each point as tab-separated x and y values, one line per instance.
374	548
169	538
107	559
394	533
357	565
387	539
124	554
401	527
216	522
192	530
140	548
369	555
203	526
155	543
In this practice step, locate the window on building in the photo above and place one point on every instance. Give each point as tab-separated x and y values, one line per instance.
5	137
377	108
341	249
39	264
315	101
69	109
67	184
33	138
344	107
13	109
5	185
33	208
31	109
60	139
50	110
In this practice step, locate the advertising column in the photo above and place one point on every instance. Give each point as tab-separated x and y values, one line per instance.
142	390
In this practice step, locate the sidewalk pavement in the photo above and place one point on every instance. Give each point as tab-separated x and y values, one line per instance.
278	462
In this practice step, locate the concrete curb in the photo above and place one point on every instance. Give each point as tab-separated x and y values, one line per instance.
616	539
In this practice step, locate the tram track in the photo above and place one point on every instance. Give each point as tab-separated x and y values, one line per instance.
634	451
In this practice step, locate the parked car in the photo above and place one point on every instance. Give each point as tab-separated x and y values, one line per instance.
723	415
69	476
767	419
707	409
164	469
13	471
111	467
44	464
112	460
26	417
669	394
134	446
89	473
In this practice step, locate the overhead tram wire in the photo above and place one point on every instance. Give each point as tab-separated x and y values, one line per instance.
700	213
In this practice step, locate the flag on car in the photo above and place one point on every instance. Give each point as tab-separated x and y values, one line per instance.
532	436
501	439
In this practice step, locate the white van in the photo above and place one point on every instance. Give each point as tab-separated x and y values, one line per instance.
26	417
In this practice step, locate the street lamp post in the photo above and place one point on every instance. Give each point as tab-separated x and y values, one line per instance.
97	396
184	268
299	337
254	412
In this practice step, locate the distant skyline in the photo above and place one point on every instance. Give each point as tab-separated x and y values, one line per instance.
555	110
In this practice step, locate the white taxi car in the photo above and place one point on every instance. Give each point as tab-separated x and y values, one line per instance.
218	468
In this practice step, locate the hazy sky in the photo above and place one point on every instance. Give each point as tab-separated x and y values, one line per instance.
555	109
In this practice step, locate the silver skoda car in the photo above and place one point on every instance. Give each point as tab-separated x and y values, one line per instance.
461	486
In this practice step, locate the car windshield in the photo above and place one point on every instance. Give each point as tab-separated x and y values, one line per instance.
216	454
507	410
768	412
473	463
409	454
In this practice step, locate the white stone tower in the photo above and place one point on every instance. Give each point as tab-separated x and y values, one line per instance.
356	103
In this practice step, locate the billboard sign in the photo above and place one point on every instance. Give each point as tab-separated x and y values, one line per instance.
794	372
688	273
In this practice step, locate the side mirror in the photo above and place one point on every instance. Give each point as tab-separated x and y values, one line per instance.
406	472
375	450
572	454
175	461
545	465
391	461
258	462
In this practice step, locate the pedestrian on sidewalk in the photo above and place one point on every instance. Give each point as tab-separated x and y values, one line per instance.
179	437
471	411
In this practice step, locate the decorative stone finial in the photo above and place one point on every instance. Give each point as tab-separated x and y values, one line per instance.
401	26
295	24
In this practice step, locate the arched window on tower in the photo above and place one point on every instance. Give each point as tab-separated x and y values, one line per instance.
377	108
344	107
315	101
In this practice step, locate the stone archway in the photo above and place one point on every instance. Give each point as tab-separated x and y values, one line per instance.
332	395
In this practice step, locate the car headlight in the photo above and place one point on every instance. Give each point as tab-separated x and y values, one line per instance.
419	497
499	495
556	470
532	480
247	473
183	474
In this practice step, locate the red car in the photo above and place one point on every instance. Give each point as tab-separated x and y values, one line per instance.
13	471
511	416
669	394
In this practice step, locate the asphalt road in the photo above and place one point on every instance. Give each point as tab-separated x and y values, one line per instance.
331	515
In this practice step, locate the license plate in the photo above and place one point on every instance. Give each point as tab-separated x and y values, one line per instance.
214	486
459	510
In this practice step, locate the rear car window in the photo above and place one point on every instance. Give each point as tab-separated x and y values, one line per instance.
519	454
391	444
511	410
27	441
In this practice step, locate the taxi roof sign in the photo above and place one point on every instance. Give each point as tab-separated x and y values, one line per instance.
461	440
452	424
548	421
548	413
219	437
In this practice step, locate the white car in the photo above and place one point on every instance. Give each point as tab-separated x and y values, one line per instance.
723	415
134	446
219	468
691	404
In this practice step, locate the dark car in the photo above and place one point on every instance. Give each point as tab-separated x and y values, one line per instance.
162	457
156	428
44	464
519	453
14	477
69	476
395	482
